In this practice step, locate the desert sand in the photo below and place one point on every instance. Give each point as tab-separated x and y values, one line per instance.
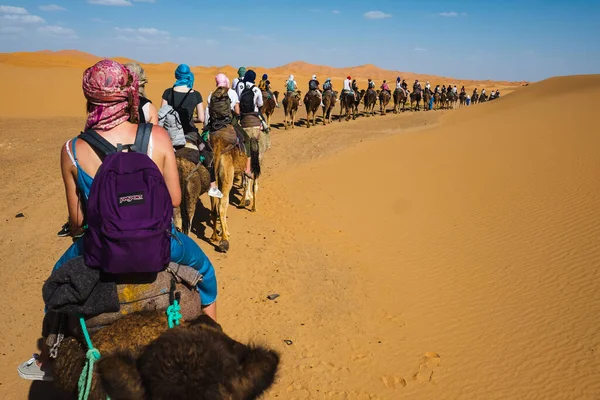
448	254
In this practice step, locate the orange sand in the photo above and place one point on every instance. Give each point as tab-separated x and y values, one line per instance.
446	255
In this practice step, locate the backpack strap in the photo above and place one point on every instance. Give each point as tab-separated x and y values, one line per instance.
100	145
142	138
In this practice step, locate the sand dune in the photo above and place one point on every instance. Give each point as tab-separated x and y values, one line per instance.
58	75
449	255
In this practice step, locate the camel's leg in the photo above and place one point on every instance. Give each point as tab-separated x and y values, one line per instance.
307	118
177	218
214	211
254	191
315	118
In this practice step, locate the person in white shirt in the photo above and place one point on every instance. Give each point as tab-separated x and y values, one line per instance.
241	72
427	86
251	100
454	90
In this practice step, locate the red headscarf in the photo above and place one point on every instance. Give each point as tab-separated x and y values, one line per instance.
110	88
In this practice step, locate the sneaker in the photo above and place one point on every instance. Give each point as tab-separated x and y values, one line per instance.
65	231
215	192
31	371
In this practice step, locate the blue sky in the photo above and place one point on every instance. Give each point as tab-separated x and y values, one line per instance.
478	39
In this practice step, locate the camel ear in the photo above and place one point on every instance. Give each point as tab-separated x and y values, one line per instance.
258	367
120	377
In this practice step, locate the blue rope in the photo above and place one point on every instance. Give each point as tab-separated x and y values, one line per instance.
174	314
84	385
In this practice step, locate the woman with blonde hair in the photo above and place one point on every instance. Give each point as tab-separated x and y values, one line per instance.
146	110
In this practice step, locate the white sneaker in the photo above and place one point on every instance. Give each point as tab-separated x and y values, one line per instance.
215	192
31	371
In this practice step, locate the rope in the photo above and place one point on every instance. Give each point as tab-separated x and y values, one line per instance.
84	385
174	314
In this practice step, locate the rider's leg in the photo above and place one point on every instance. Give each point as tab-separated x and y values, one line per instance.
187	252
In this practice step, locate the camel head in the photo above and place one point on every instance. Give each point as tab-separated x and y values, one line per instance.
196	361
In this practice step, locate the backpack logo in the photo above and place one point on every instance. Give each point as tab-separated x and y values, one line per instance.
131	199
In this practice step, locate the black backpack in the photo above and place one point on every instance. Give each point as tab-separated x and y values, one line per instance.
184	116
247	100
313	84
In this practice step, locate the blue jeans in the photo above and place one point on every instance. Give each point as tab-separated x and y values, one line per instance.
183	251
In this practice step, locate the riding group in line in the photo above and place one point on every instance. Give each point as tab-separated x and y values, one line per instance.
441	97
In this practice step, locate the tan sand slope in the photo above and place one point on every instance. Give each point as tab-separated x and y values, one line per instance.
448	255
57	75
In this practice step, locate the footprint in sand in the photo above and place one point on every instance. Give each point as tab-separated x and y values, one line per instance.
428	364
393	382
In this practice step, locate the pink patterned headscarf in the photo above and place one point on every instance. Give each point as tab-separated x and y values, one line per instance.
110	88
222	81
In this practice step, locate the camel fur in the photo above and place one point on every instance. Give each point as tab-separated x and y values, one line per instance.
142	359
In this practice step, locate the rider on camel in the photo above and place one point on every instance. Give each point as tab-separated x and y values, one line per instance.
417	86
427	87
265	86
438	89
328	85
350	87
463	90
313	85
371	84
291	86
385	86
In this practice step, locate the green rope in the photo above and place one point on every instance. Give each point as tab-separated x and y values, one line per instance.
84	385
174	314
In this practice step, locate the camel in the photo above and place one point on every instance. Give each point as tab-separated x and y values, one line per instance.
329	99
312	103
194	180
141	358
415	97
290	106
427	95
474	97
483	98
462	97
399	98
370	100
359	96
347	106
229	161
269	106
384	99
437	98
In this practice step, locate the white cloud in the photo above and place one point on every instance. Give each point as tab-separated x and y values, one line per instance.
52	7
419	49
144	1
376	15
143	31
448	14
58	31
110	2
230	28
18	19
13	10
100	20
336	12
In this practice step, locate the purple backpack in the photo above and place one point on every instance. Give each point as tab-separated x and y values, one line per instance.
129	210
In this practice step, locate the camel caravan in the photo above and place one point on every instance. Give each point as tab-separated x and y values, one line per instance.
351	97
131	305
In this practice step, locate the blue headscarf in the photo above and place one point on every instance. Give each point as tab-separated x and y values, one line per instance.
184	76
250	76
265	77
